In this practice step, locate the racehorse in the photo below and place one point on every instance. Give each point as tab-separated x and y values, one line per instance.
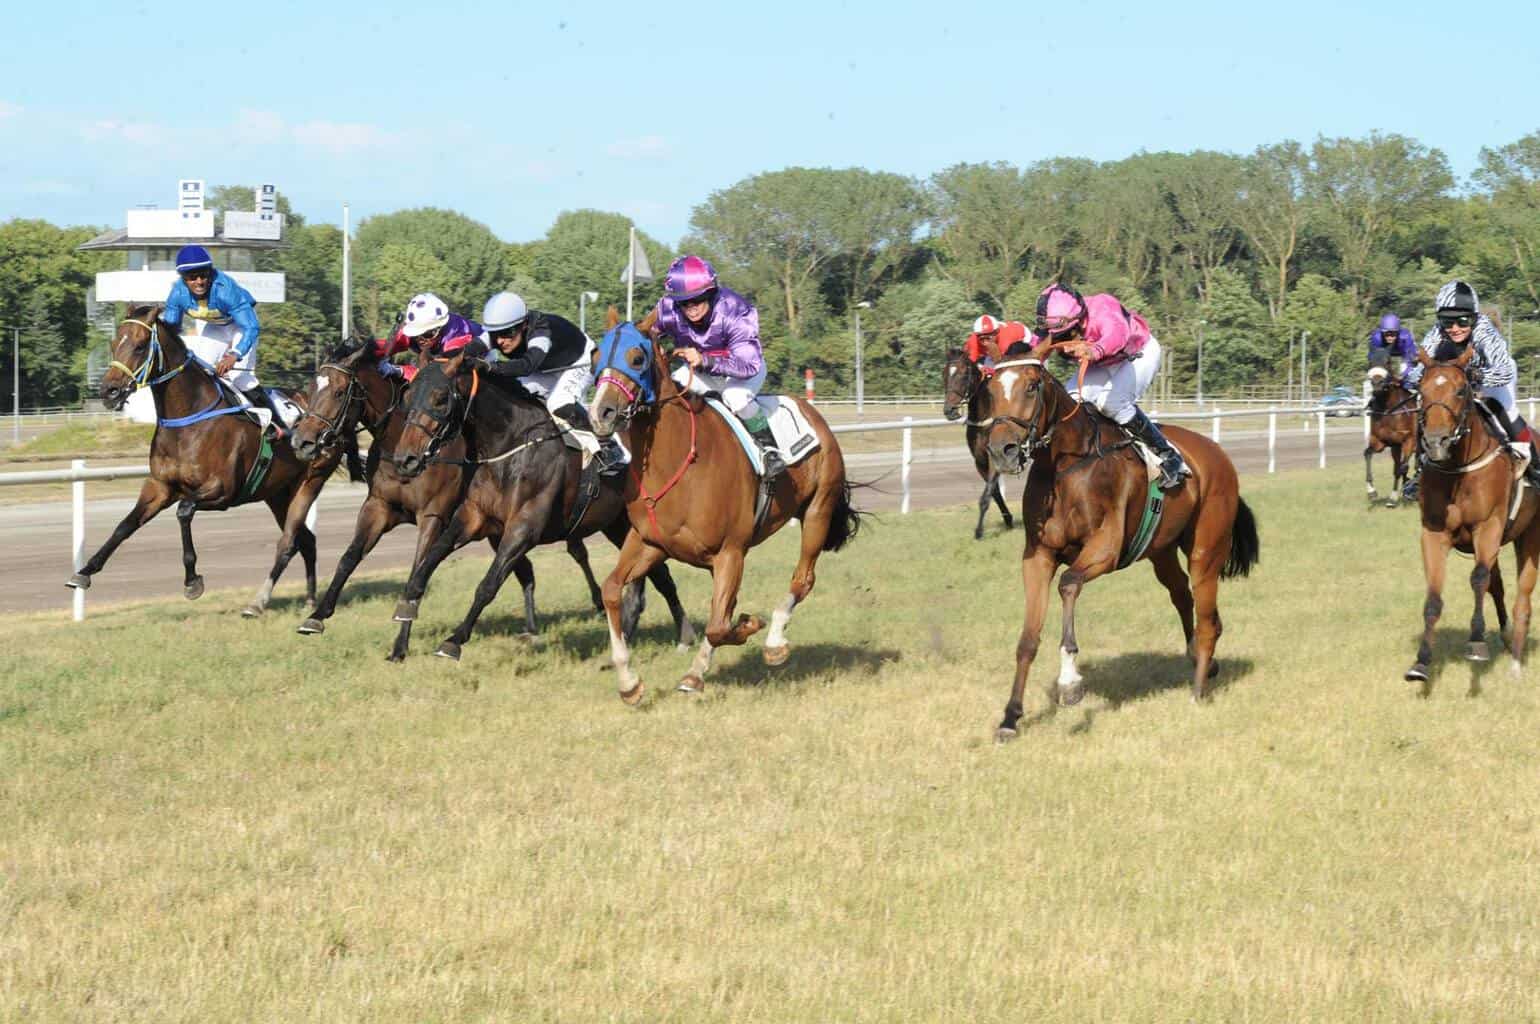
1470	501
350	390
526	488
1392	427
964	389
691	495
1088	505
206	454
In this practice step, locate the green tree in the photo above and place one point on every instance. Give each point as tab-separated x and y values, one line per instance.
984	227
1272	211
45	356
472	259
1337	329
1239	345
397	271
585	250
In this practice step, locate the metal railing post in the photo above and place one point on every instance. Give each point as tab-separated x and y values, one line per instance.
1272	442
1214	432
78	517
1320	425
908	457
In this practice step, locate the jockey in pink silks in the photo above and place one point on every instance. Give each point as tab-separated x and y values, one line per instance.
1123	357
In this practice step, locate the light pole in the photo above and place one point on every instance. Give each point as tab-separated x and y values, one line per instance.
584	298
1304	367
1201	324
860	368
16	385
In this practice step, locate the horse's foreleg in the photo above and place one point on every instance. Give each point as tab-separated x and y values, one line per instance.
375	519
984	498
579	552
153	496
518	538
1435	551
722	630
815	530
1528	549
1487	540
663	582
435	540
1091	564
1037	571
1369	472
192	583
1005	509
1499	598
637	557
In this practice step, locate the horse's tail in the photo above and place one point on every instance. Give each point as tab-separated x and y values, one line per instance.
355	461
845	520
1245	546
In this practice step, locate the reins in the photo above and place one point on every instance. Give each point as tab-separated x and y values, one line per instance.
633	391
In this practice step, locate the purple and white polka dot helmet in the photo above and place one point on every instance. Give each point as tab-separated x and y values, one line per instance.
426	312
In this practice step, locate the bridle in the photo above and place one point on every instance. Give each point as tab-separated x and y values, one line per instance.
1038	438
142	377
443	429
1462	418
975	380
333	428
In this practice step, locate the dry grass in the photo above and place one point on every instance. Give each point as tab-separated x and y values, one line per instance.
209	819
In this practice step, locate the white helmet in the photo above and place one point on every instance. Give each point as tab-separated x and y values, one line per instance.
426	312
503	310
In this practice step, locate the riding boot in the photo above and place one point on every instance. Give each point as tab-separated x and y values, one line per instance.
1172	466
759	427
610	457
260	399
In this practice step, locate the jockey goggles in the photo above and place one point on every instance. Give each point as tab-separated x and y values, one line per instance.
1456	319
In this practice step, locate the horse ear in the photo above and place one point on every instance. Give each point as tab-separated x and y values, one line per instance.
1464	358
648	322
1043	348
611	318
156	311
1423	359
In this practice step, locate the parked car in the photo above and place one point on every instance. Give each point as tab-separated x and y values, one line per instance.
1340	401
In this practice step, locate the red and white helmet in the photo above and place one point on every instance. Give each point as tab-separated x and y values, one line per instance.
986	324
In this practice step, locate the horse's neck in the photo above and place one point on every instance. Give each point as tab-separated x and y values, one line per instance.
1073	434
978	401
189	390
381	396
497	419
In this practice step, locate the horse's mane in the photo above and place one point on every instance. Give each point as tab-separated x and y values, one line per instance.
1019	348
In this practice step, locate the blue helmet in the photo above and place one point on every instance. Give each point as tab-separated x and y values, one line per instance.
191	257
1390	323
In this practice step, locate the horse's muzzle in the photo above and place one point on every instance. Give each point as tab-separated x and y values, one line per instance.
951	412
1009	458
1438	447
306	448
604	418
411	464
114	397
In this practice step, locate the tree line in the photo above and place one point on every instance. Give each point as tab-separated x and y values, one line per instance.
1248	251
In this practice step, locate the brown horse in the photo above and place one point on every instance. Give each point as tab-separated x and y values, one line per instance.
1085	502
963	385
1469	503
349	391
202	458
1393	428
691	495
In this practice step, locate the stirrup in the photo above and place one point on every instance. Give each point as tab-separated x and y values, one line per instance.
774	465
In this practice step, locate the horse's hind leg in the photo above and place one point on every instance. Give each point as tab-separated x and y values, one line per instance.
290	522
815	530
1369	473
192	583
984	497
153	496
1495	589
1168	569
1487	542
579	553
1528	549
1435	552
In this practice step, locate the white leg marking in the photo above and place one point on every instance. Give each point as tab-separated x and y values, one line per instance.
620	655
265	594
1069	676
701	664
778	620
686	635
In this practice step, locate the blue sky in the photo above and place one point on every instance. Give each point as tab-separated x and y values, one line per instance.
512	113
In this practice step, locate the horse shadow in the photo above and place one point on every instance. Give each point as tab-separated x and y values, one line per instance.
1449	646
1128	677
807	661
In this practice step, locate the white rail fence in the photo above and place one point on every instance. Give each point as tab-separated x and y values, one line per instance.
79	474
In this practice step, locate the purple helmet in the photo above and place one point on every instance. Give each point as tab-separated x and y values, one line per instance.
1390	323
689	277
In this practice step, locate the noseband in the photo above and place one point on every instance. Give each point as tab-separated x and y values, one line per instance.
142	376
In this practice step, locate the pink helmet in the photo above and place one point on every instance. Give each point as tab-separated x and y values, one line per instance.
689	277
986	324
1059	309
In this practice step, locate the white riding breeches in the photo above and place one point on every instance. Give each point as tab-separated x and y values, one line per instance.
1115	389
212	342
1505	397
737	392
560	388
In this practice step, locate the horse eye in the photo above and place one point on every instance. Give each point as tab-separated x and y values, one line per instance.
636	359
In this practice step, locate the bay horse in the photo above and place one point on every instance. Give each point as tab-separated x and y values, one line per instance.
1392	428
1085	503
524	489
963	384
1468	502
350	393
691	495
203	459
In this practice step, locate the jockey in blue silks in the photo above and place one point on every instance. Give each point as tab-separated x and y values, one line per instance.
224	330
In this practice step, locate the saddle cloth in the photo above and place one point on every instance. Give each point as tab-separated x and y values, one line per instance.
291	411
794	437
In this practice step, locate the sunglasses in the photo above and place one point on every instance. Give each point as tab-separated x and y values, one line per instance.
197	275
1456	320
504	334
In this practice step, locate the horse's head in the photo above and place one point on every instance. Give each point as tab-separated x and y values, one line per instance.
439	400
136	355
1445	395
332	405
1020	401
627	378
960	379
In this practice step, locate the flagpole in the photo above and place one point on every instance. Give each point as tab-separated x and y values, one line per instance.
631	274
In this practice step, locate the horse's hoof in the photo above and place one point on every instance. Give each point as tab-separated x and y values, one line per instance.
1004	734
310	627
448	649
406	611
79	581
394	658
252	611
1418	673
751	624
1392	503
193	590
1071	695
1213	669
1477	650
692	684
632	697
978	534
777	655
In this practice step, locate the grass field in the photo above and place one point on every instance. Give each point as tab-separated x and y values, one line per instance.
209	819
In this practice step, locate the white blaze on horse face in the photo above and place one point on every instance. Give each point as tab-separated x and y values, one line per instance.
1008	382
321	383
951	371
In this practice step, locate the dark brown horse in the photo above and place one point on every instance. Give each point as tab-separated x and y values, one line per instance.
201	458
691	495
349	391
964	389
1470	502
1392	428
1085	502
525	489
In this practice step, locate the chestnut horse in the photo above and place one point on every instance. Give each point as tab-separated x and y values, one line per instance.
964	389
691	495
1469	503
1085	502
202	458
1393	428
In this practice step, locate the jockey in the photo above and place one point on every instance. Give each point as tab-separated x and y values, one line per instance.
551	357
1124	356
225	328
1461	323
426	325
1387	340
990	338
716	333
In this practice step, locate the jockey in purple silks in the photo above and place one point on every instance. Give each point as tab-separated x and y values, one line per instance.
716	333
1391	339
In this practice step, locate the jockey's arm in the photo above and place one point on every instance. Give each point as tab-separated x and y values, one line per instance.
245	317
527	362
177	303
744	357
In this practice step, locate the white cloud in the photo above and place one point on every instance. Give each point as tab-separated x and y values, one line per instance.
140	133
648	147
259	127
8	110
341	137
